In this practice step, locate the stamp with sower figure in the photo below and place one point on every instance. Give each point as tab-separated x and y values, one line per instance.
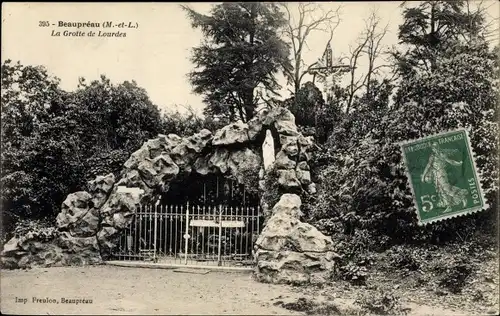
443	176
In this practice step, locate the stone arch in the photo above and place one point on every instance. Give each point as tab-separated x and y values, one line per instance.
233	151
89	222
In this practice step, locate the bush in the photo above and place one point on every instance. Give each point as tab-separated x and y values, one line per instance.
189	122
54	142
405	259
42	230
311	307
381	303
453	272
353	273
271	194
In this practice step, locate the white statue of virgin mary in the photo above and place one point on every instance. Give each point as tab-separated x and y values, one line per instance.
268	150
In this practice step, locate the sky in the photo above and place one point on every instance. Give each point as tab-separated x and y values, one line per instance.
156	53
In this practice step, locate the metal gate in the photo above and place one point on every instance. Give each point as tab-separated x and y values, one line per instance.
189	233
205	220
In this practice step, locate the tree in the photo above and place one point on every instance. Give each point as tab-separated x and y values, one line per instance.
368	46
189	122
120	116
311	110
459	90
28	95
298	31
431	26
26	92
242	52
53	141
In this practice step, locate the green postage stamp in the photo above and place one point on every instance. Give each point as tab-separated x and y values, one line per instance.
443	176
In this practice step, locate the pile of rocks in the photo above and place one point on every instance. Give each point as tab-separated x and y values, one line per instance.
89	223
290	251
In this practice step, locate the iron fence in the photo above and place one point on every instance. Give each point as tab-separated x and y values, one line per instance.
191	234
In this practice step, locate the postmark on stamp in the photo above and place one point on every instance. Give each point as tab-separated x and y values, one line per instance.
443	176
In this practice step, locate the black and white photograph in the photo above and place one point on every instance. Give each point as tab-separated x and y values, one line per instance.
250	158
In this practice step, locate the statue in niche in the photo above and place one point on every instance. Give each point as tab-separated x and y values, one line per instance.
268	150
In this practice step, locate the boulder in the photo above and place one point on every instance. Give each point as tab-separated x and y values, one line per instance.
269	116
291	149
287	128
170	141
303	176
40	255
136	157
305	142
11	246
87	225
121	202
100	188
132	179
290	251
79	251
107	239
79	245
119	220
286	140
155	146
288	205
218	160
184	155
243	161
201	165
311	188
166	169
287	233
78	216
147	172
303	166
254	127
287	179
235	133
264	117
159	170
290	267
283	161
199	141
62	249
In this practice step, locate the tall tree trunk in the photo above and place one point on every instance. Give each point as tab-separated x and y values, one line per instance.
433	36
248	104
297	76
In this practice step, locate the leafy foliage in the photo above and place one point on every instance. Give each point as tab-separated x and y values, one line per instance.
271	194
383	303
455	275
310	110
53	141
242	52
41	230
431	27
366	176
186	124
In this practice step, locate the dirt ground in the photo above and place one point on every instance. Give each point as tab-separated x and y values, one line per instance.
138	291
121	290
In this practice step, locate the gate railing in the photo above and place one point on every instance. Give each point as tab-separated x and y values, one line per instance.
194	234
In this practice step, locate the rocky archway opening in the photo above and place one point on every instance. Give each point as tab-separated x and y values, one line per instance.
208	190
90	222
